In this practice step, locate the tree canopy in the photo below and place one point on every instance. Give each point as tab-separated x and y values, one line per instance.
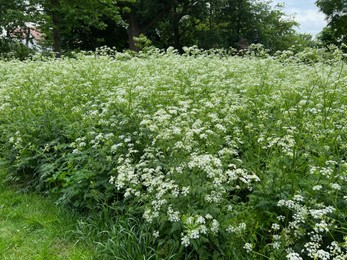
88	24
336	15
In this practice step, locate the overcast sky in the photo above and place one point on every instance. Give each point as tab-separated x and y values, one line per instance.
306	13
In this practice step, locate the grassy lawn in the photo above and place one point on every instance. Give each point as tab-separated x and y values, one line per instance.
32	227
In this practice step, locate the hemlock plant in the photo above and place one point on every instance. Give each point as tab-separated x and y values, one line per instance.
222	156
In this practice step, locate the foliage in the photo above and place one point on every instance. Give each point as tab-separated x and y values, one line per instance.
85	25
14	14
66	23
123	237
222	156
228	23
275	29
336	14
11	49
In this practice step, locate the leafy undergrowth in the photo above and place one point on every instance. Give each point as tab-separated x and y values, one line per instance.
32	227
197	156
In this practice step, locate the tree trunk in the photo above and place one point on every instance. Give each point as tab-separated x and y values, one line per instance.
133	31
211	16
27	37
176	30
56	19
57	42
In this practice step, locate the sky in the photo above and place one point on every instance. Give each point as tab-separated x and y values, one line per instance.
306	13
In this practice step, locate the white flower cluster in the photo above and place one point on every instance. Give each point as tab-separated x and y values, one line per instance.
16	141
197	226
326	171
314	223
238	229
285	143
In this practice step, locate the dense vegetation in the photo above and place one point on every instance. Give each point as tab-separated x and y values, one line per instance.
336	30
219	156
85	25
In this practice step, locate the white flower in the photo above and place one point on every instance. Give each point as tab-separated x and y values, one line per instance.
174	216
298	198
230	229
242	227
275	226
319	213
281	218
194	234
248	247
317	187
335	186
215	226
190	220
276	245
185	241
200	220
276	237
321	227
156	234
82	144
294	256
203	229
321	254
185	191
208	216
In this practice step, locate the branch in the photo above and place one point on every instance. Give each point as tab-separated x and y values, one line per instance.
188	27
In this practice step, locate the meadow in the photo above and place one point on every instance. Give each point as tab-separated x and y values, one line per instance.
203	155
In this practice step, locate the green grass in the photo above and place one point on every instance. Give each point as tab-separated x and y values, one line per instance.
32	227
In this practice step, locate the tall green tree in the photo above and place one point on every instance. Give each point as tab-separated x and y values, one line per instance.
238	23
59	20
336	15
275	29
62	17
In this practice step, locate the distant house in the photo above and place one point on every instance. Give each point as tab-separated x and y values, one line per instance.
30	36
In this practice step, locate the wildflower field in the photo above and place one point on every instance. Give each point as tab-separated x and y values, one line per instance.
218	156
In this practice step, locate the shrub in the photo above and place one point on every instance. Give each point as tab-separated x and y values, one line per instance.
10	49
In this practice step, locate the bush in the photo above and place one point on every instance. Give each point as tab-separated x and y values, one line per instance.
10	49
